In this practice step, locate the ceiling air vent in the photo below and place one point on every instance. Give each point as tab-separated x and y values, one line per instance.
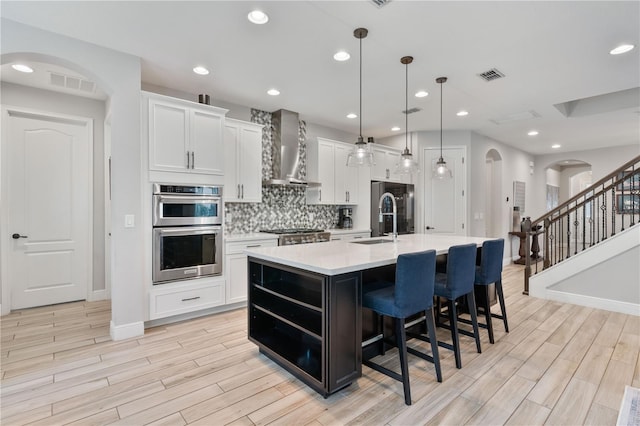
380	3
492	74
411	110
72	83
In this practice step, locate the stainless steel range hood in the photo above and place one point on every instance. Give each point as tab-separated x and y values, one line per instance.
286	152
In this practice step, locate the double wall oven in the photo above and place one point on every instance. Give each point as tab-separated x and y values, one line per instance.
187	232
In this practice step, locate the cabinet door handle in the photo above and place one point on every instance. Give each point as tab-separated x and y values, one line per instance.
238	192
193	161
191	298
320	195
242	191
255	245
188	162
387	173
357	237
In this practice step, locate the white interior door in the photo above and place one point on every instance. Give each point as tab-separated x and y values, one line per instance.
445	200
48	209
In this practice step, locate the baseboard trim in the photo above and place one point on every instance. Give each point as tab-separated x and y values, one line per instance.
594	302
126	331
195	314
98	295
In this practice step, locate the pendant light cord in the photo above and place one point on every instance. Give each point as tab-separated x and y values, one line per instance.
360	89
441	121
406	107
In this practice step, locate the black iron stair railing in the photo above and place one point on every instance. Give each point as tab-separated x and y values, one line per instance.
605	208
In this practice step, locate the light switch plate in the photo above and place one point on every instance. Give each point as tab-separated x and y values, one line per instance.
129	221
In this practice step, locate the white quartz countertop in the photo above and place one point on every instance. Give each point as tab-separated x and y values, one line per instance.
249	236
340	257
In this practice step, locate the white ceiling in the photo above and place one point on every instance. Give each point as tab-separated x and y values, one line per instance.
551	53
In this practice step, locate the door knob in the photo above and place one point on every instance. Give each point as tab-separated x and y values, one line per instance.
430	227
16	236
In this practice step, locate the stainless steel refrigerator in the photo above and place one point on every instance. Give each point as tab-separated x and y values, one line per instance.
404	196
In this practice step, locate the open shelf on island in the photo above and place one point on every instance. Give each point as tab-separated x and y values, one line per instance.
306	321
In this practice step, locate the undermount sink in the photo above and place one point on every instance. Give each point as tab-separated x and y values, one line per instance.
378	241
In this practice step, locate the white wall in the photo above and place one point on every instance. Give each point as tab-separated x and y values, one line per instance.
553	177
45	100
620	272
118	74
568	185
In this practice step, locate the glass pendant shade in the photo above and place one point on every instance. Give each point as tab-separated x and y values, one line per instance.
407	164
360	155
440	169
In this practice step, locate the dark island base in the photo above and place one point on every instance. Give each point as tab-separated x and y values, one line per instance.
308	323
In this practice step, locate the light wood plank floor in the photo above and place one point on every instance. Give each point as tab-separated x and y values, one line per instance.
560	364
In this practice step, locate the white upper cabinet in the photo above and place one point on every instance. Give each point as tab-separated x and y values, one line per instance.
385	165
327	164
346	178
243	160
184	136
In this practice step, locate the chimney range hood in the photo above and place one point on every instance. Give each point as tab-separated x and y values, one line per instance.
286	151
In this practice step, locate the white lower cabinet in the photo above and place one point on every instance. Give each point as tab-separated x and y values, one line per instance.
349	235
188	296
236	267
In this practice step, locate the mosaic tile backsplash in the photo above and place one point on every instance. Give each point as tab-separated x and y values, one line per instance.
281	207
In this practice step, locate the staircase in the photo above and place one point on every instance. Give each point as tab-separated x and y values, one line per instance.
590	246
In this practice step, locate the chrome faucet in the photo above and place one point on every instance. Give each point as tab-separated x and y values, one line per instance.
394	213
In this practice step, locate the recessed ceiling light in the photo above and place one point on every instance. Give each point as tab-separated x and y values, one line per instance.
421	94
395	128
352	115
623	48
341	56
258	17
201	70
533	133
273	92
462	113
22	68
556	146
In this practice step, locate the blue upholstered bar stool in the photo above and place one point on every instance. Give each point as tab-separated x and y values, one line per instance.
490	271
411	294
457	282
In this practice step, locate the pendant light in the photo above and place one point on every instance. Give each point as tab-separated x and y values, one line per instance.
361	154
407	163
441	171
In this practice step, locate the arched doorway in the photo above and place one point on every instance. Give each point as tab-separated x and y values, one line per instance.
60	98
494	215
564	179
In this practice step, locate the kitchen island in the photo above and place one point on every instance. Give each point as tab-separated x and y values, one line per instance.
305	302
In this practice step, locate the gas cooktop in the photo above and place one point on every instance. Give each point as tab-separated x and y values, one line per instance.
292	231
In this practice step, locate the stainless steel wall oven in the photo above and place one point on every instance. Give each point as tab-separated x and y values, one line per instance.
187	232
